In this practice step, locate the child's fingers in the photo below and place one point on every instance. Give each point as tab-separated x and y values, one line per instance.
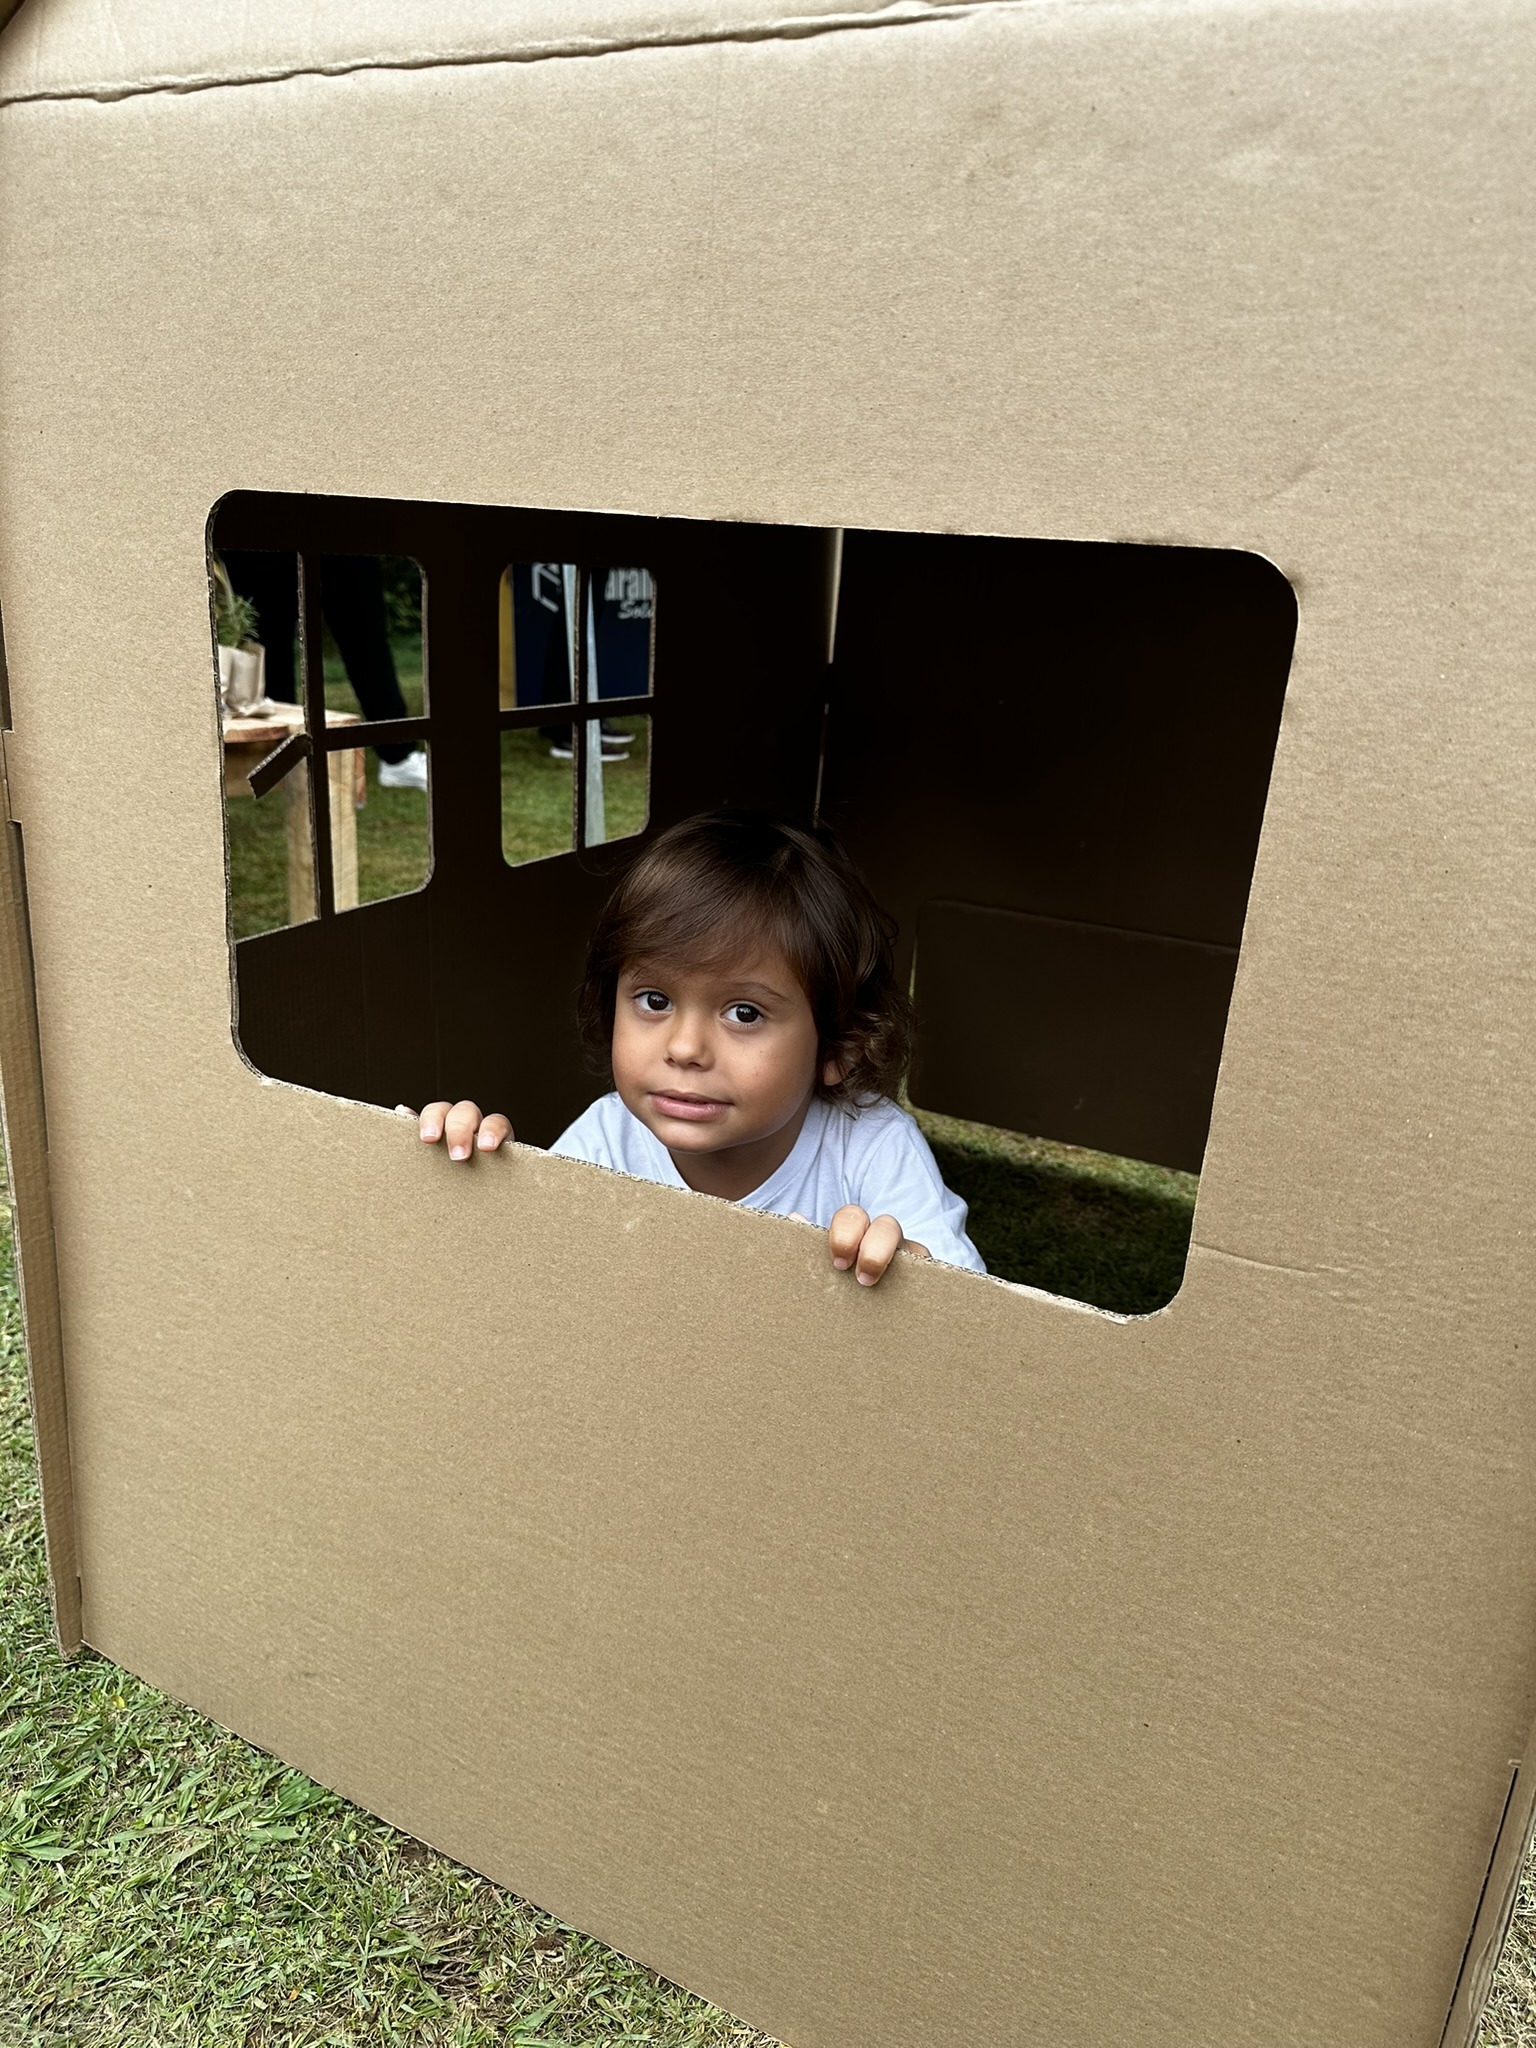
493	1132
846	1234
459	1128
882	1241
433	1117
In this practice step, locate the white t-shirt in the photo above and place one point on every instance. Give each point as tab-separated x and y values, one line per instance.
875	1156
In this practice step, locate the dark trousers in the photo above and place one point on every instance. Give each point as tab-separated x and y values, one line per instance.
352	600
621	655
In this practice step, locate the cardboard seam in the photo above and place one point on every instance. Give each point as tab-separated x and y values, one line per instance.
786	28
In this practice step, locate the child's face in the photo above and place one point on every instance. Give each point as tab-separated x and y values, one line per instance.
717	1056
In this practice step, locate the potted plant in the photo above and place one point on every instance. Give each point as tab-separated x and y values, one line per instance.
242	658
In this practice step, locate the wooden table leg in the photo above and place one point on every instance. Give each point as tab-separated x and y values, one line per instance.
301	866
344	826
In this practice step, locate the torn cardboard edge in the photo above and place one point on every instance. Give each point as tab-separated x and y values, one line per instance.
766	28
271	768
26	1150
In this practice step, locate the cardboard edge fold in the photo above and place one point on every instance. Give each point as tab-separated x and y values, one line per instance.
26	1152
1496	1906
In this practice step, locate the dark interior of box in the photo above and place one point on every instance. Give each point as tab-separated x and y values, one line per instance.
1049	758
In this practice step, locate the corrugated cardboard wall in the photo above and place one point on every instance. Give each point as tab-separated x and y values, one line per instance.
876	1665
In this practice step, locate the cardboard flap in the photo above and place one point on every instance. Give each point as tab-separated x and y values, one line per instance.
26	1151
1512	1846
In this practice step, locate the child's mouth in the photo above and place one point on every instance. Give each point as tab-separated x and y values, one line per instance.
690	1109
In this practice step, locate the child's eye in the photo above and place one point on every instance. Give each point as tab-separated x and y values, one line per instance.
744	1013
653	1000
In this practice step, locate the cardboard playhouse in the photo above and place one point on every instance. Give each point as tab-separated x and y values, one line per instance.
1080	450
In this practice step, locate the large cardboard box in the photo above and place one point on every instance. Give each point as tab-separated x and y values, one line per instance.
952	1663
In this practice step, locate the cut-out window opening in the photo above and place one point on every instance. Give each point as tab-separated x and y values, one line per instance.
1049	760
303	640
568	635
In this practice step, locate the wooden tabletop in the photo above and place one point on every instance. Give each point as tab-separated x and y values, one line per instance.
254	732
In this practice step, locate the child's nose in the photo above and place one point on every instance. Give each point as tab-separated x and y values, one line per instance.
689	1041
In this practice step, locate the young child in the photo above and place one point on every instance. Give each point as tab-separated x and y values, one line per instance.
740	981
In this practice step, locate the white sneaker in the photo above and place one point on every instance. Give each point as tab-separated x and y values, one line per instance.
411	773
607	752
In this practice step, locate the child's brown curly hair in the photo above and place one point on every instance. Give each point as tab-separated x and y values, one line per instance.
725	883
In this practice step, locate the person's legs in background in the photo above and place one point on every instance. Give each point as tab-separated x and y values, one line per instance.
541	631
352	599
554	673
621	643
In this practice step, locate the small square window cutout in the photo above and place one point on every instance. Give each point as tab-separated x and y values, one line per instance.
366	616
569	783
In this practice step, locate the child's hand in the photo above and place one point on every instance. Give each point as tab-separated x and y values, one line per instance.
868	1247
464	1127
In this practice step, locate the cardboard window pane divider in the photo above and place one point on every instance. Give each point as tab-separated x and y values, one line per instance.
312	671
581	729
388	732
528	715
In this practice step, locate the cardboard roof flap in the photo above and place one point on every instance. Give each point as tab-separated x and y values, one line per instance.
874	1663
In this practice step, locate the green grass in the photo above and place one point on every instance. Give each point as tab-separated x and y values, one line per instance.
392	850
1509	2020
536	794
1109	1231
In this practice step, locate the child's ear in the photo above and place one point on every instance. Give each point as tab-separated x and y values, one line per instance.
832	1073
